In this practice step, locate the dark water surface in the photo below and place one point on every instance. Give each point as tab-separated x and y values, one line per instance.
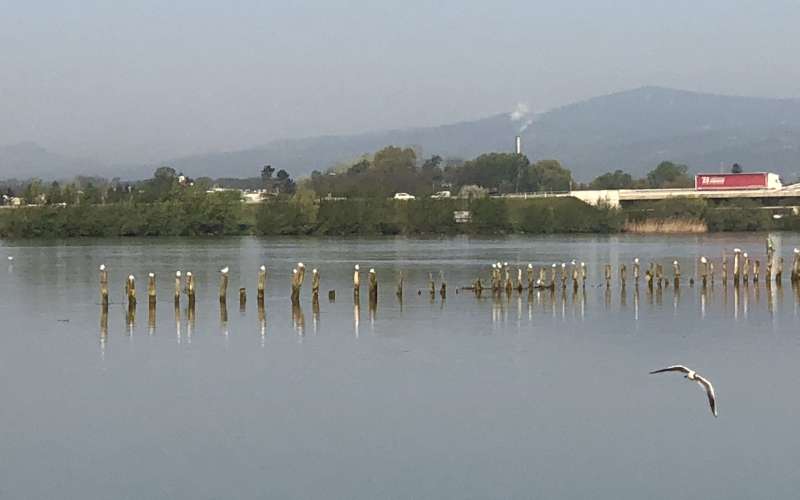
536	397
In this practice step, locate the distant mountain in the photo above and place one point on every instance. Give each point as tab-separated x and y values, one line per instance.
632	130
27	159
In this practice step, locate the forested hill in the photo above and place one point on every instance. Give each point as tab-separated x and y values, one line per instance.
632	131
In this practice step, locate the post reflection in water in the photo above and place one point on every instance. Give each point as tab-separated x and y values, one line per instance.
223	317
151	319
356	317
103	328
636	302
130	318
298	319
178	321
315	313
190	322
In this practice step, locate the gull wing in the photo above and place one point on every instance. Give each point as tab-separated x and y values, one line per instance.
673	368
712	397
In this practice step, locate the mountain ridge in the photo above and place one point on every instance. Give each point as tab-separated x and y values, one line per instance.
631	130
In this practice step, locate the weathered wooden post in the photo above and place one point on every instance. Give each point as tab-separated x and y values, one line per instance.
431	285
151	290
659	275
223	284
530	276
373	288
443	286
779	272
756	270
130	287
704	271
636	271
151	303
583	274
711	271
295	297
575	277
190	290
262	283
242	299
315	284
563	275
301	273
737	255
724	268
356	283
553	277
400	283
746	268
608	275
520	286
676	273
795	276
542	276
648	276
768	273
103	286
177	296
623	275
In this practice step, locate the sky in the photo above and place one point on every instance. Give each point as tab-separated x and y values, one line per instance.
144	81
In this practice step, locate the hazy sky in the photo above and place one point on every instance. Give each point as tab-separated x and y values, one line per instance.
150	80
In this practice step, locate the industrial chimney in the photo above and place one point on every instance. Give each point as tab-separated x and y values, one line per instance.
518	145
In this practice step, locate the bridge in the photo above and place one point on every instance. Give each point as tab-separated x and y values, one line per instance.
787	195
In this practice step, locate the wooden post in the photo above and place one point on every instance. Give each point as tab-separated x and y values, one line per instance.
711	272
151	290
756	270
553	278
648	275
608	275
223	284
795	275
295	286
177	298
542	276
131	288
262	283
431	285
373	285
676	272
583	274
724	268
315	284
530	276
443	286
520	286
746	268
508	284
575	277
301	273
190	289
356	283
779	271
563	275
242	299
704	271
623	275
659	275
400	282
103	286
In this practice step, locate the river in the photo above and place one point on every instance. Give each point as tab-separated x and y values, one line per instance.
528	396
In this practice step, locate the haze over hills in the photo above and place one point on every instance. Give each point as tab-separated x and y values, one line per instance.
631	130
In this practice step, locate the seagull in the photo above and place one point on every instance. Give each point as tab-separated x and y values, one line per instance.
694	376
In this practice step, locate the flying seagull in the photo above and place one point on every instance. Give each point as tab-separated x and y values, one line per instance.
694	376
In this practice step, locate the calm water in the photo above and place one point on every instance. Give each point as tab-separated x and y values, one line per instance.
468	398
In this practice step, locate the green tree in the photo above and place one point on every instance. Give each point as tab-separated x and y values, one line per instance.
736	169
669	175
54	195
612	180
549	175
492	170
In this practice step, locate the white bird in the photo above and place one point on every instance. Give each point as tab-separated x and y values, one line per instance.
10	258
224	270
695	377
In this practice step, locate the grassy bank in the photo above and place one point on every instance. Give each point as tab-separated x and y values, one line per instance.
222	214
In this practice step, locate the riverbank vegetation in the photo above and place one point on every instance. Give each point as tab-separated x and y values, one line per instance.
356	199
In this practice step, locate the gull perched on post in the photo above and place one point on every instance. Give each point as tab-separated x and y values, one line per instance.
695	377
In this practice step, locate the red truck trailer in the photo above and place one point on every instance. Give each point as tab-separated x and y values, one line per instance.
722	182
